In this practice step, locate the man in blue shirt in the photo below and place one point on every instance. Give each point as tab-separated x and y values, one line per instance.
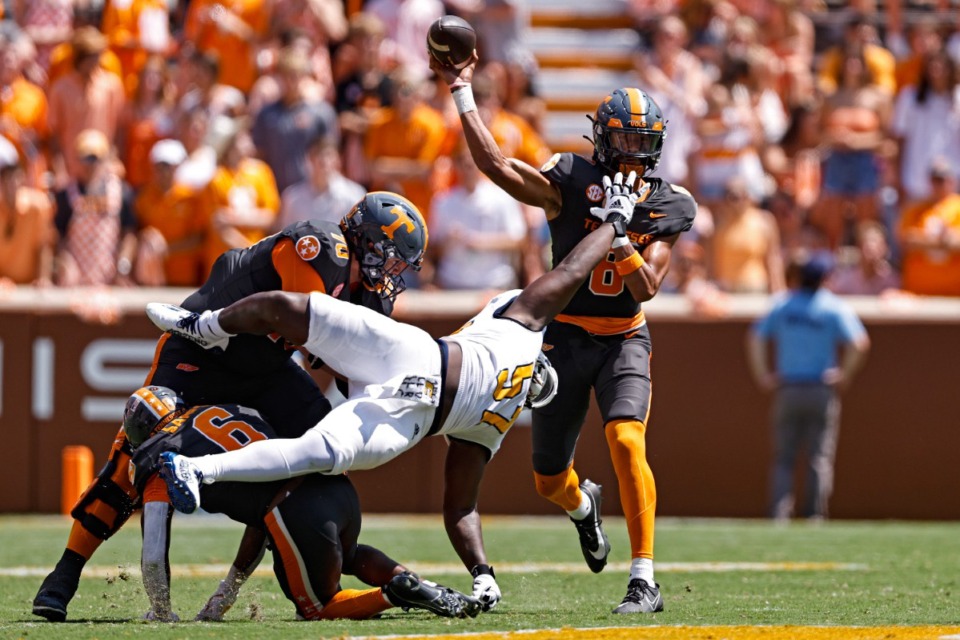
808	327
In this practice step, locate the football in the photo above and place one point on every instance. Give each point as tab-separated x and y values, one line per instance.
451	40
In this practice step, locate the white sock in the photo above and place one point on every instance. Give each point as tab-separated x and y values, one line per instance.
642	568
210	320
583	510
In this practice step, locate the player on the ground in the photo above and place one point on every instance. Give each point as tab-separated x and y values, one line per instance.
601	339
383	235
469	386
312	521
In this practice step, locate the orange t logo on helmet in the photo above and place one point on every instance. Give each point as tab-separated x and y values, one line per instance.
402	219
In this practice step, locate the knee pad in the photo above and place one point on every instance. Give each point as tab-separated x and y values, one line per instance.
107	503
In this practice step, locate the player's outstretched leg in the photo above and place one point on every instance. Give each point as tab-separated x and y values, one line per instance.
407	591
642	597
593	541
59	587
183	481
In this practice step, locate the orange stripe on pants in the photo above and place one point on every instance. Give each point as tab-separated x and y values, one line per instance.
293	566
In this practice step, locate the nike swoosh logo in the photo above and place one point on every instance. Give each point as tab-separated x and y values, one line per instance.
658	215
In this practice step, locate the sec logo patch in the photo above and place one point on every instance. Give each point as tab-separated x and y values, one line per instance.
308	247
594	193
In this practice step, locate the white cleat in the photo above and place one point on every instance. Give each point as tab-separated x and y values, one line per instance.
200	328
183	481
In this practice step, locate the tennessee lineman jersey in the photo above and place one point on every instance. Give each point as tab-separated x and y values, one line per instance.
499	355
311	255
207	430
665	211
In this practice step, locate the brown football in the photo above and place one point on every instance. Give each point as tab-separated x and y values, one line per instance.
451	40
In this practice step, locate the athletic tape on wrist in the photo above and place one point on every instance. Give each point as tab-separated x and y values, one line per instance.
463	98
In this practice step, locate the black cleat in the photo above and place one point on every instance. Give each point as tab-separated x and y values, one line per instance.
58	588
641	598
593	541
410	592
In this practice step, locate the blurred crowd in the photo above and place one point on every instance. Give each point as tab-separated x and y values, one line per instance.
139	139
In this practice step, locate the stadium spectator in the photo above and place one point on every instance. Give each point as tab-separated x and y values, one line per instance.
404	141
929	235
321	23
730	136
325	194
794	162
363	86
88	97
788	33
745	247
95	219
233	29
923	42
27	236
23	106
205	90
145	119
242	201
169	214
407	23
807	327
135	30
860	38
870	273
477	232
283	129
855	117
48	23
926	124
675	79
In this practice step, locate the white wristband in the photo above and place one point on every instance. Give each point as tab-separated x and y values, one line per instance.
620	241
463	98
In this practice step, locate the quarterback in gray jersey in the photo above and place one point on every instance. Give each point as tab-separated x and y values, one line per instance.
469	386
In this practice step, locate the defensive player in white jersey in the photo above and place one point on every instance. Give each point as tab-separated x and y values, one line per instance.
469	386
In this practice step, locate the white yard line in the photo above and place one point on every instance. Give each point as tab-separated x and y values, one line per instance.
428	568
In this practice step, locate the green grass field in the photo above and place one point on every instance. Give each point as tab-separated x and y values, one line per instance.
712	572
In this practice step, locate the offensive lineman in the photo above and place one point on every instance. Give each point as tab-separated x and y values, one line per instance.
601	339
469	386
383	235
312	521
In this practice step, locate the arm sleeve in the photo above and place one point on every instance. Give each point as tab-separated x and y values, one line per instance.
154	560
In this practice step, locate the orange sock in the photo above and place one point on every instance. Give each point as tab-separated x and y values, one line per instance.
638	493
82	541
562	489
354	604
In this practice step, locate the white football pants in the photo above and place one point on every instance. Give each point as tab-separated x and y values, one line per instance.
398	367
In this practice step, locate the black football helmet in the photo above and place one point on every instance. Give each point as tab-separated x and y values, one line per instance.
387	234
628	130
147	409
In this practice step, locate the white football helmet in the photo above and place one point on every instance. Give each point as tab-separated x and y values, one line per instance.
543	386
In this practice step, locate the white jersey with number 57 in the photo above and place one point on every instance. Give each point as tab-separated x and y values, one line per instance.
499	355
